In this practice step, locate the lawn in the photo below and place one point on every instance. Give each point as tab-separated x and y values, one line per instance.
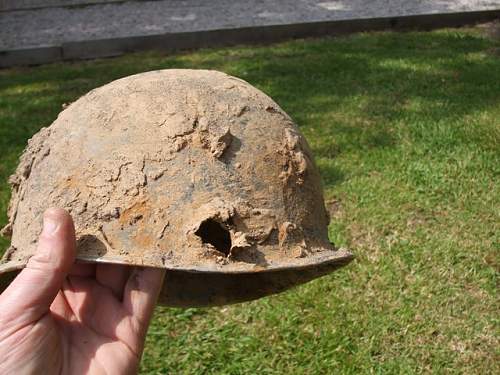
405	128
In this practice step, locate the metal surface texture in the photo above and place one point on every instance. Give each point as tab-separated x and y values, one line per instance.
194	171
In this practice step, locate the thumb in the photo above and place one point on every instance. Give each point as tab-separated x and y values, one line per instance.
34	289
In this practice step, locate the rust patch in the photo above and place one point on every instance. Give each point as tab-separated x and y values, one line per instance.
131	215
134	220
143	238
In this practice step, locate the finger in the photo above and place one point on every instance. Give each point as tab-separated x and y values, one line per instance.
114	277
90	303
141	294
33	290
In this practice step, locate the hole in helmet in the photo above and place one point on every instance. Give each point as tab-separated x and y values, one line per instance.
215	234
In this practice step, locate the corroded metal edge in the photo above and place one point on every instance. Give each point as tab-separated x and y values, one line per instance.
231	267
202	288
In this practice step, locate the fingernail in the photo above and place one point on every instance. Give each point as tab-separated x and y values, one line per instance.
50	226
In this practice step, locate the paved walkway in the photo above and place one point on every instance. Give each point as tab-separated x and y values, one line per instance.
55	33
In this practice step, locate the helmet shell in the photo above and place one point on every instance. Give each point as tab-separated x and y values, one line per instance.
188	170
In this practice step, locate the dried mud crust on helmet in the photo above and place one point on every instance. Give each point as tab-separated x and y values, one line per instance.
181	169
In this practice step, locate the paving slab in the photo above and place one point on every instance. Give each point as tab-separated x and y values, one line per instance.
98	29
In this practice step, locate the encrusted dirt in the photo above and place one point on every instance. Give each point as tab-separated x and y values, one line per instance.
183	169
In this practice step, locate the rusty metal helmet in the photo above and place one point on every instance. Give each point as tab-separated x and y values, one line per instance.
193	171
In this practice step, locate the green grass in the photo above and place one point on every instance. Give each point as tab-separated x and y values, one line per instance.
406	132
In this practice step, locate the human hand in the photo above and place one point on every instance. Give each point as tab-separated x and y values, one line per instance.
59	317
